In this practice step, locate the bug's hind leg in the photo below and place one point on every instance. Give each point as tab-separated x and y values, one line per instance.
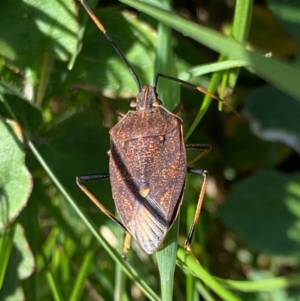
203	173
205	148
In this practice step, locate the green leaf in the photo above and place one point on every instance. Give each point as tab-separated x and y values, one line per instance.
38	27
274	116
15	180
241	143
264	210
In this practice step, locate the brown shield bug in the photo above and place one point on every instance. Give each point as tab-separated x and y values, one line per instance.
147	167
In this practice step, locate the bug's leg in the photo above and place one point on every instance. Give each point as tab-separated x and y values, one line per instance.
126	245
199	88
205	148
158	75
204	173
177	109
121	113
88	178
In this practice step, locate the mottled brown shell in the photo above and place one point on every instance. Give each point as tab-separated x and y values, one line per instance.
148	156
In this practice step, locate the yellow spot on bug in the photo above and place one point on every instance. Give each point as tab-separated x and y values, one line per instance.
144	192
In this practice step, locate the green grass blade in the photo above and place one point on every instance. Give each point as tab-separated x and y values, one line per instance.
45	72
166	261
210	68
240	31
242	20
82	275
282	282
52	281
6	244
189	263
120	276
204	292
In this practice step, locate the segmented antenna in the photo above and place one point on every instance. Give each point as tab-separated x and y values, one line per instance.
116	47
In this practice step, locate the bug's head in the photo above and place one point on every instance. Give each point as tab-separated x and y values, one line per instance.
146	99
